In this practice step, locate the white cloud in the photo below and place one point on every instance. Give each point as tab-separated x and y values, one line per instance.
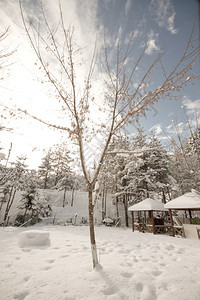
151	43
157	128
133	35
164	13
23	86
128	6
192	110
192	107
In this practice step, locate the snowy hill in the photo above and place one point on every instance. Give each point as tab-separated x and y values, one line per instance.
75	209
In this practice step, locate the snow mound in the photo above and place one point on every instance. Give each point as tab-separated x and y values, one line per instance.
34	238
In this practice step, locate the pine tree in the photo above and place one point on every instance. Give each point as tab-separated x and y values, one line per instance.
45	170
60	163
137	173
161	178
15	180
34	205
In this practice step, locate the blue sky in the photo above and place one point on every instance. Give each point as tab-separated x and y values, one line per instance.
168	24
162	24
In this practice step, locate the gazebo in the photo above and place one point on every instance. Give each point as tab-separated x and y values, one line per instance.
188	202
149	223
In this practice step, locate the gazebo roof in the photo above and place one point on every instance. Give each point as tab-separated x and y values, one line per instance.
147	205
187	201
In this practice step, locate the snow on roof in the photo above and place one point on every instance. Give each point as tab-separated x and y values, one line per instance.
187	201
148	204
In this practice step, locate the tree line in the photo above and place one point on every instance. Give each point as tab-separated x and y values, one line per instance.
135	167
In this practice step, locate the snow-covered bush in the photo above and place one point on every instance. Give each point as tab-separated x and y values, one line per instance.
34	205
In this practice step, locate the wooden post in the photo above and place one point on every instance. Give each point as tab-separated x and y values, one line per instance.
133	220
138	217
153	223
190	214
172	222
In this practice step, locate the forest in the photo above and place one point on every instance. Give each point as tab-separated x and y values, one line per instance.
135	168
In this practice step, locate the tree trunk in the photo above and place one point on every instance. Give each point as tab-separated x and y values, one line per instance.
45	180
117	209
163	197
2	202
103	206
72	202
169	193
92	233
105	202
126	210
64	197
10	202
147	188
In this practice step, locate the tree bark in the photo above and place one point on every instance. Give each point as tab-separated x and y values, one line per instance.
72	202
92	233
163	197
117	209
126	210
103	206
64	197
10	202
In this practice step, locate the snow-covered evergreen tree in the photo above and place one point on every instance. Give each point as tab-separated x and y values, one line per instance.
161	178
66	183
45	170
111	177
186	162
34	205
148	172
60	163
54	166
137	168
14	180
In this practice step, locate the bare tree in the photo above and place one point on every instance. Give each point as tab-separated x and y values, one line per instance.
5	52
5	62
121	101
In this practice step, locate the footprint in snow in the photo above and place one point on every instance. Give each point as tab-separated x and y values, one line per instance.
21	295
148	293
170	247
46	268
156	273
109	291
145	259
85	248
27	278
181	250
126	275
26	250
123	251
162	264
17	258
50	261
63	256
139	286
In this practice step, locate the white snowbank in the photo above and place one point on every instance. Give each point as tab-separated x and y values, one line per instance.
34	238
134	265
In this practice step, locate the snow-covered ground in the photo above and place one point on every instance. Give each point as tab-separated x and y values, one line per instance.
61	214
132	265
